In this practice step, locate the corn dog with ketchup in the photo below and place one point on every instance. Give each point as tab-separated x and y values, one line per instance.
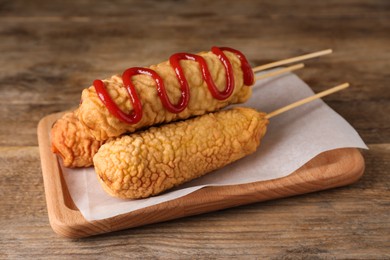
187	85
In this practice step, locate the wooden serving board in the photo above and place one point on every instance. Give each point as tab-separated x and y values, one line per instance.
328	170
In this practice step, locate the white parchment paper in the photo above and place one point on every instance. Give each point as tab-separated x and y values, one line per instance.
292	139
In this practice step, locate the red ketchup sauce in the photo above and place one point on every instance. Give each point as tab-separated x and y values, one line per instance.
136	115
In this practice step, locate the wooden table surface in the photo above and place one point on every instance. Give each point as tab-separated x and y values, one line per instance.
51	50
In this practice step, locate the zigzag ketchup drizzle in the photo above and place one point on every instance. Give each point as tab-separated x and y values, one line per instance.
174	61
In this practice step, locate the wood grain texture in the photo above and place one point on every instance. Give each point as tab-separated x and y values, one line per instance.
51	50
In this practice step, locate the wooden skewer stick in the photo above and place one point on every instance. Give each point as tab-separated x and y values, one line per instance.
281	71
292	60
307	100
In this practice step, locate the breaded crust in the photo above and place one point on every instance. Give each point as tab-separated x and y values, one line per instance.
147	163
72	141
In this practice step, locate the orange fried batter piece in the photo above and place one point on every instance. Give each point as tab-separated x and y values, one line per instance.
103	125
71	140
149	162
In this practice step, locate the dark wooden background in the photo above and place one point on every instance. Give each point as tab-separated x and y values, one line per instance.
51	50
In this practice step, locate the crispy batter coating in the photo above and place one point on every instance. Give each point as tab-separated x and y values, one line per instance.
149	162
96	117
72	141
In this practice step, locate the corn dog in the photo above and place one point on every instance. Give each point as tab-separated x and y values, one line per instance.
187	85
73	142
152	161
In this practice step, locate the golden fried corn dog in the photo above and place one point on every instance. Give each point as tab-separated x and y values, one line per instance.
95	115
149	162
72	141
